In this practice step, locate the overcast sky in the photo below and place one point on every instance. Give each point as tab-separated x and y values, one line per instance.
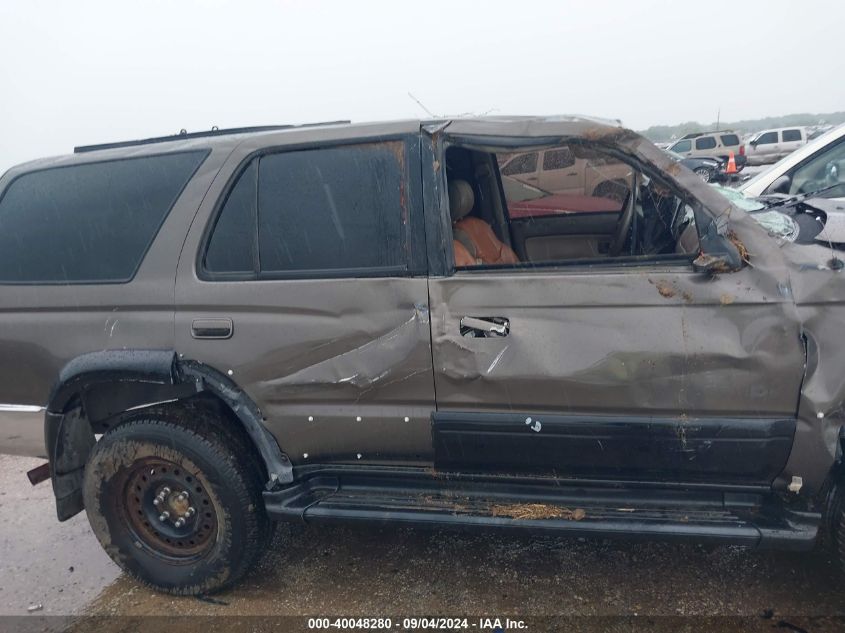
85	72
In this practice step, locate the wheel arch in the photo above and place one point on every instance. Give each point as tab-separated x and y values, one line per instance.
95	391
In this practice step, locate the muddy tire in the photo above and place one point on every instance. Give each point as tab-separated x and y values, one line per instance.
177	506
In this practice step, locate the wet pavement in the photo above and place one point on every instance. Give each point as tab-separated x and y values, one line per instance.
384	572
59	566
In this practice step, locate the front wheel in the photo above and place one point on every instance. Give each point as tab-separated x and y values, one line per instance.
178	507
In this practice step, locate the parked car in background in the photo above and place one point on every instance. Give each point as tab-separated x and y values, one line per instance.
770	146
708	169
718	144
815	131
811	167
572	170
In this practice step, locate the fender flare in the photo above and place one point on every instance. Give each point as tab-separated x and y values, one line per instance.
106	383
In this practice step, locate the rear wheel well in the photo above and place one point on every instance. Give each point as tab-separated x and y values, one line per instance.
195	411
101	391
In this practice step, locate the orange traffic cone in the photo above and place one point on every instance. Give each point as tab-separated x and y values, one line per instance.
731	168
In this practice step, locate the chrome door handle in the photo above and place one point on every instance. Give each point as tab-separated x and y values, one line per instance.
484	326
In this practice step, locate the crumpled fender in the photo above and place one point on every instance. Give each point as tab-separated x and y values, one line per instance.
95	386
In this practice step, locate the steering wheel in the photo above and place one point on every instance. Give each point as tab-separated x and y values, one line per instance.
623	225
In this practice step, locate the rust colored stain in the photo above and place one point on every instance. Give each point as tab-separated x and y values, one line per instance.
743	251
664	288
526	511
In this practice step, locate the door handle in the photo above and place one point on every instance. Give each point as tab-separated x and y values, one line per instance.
220	328
484	326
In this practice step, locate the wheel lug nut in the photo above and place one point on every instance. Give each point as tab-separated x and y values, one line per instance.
164	516
189	512
179	522
156	501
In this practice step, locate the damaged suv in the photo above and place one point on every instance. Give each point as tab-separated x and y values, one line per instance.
208	333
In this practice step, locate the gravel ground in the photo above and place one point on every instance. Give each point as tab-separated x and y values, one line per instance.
384	572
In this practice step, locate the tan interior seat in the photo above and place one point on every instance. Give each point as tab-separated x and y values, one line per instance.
688	241
473	239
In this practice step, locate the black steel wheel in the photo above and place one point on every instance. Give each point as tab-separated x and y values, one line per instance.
167	509
176	505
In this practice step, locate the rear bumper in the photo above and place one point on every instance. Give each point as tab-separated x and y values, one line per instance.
22	430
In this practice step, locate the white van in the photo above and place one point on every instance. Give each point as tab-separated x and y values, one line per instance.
770	146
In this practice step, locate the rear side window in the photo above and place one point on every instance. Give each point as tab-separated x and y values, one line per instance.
524	164
233	247
557	159
729	139
791	135
705	142
338	209
88	223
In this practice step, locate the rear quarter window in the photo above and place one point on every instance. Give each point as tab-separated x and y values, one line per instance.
88	223
791	135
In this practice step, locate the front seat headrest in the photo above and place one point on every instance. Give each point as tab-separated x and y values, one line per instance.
461	199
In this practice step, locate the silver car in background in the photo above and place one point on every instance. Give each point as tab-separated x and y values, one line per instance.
770	145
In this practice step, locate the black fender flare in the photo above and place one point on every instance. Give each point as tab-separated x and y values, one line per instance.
102	384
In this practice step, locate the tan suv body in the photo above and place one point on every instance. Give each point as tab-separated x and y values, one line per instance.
212	331
717	144
571	170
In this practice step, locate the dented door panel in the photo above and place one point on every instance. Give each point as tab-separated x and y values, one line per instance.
339	368
818	292
660	342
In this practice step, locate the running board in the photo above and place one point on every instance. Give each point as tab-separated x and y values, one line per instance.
701	516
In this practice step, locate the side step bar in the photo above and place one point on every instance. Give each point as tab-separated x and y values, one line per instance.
750	520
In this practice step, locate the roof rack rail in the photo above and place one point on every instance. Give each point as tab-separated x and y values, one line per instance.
183	135
697	134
